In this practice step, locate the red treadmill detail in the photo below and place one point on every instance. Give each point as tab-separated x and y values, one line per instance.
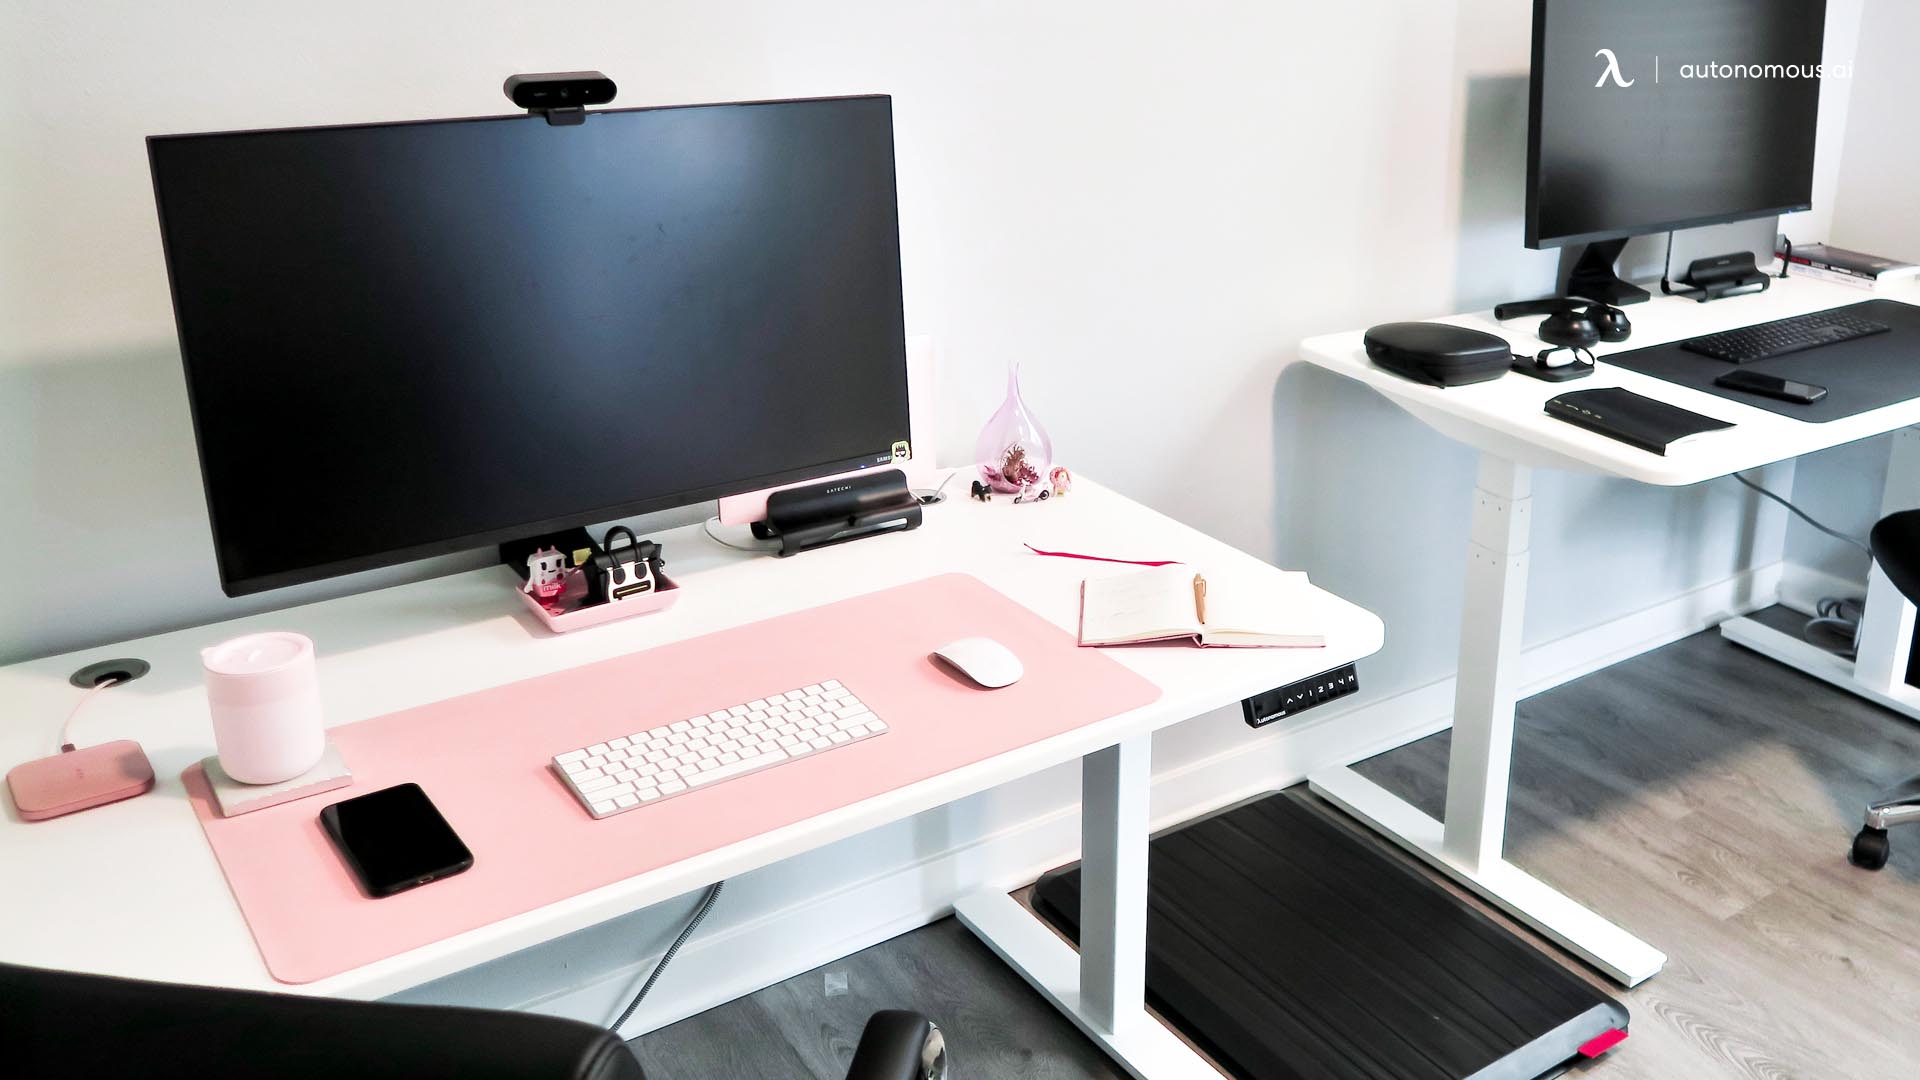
1600	1044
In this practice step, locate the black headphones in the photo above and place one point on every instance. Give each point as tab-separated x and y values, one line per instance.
1571	322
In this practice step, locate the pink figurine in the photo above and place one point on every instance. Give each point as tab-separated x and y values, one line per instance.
1062	480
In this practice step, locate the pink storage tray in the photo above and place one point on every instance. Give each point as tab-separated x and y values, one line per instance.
483	760
660	599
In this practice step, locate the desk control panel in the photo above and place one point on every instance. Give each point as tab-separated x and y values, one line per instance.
1295	698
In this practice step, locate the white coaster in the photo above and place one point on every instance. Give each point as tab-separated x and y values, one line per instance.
235	798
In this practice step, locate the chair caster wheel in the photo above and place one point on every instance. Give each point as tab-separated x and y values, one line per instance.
1870	849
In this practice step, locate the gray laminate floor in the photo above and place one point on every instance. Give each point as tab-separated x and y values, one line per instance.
1704	798
1700	795
995	1025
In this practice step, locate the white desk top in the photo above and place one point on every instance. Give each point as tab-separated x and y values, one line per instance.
1505	416
133	889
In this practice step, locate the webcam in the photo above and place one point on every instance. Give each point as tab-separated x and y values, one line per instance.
560	96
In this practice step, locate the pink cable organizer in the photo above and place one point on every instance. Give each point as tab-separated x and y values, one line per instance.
547	554
664	596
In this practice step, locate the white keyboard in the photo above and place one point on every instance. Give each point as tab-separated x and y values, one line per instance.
630	771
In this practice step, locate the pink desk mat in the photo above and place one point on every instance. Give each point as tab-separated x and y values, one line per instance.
483	758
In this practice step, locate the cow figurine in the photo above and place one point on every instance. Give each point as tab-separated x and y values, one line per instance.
546	573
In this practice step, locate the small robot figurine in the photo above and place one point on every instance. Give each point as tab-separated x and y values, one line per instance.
545	573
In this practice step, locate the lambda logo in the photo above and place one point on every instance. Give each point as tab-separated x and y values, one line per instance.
1611	71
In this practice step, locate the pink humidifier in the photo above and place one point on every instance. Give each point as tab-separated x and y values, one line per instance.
264	692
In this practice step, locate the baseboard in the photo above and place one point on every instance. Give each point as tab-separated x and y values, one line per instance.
758	949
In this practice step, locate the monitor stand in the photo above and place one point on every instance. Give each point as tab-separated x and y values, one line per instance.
1593	277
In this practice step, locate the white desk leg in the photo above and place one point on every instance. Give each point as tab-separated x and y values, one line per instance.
1102	989
1468	847
1886	636
1886	626
1484	694
1114	787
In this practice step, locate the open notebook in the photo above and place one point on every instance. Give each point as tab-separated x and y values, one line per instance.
1169	603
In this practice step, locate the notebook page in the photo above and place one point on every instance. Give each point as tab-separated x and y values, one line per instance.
1284	604
1139	605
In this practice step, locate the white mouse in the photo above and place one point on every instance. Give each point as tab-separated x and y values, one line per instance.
984	660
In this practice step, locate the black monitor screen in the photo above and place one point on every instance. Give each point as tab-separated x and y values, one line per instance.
1650	115
406	339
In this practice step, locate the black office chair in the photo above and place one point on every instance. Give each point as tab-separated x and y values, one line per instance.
57	1023
1896	547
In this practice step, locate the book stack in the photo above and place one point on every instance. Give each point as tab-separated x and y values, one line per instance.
1829	263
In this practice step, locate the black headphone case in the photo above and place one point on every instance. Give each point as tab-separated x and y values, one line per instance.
1438	354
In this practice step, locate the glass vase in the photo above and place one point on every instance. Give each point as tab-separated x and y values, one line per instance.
1013	449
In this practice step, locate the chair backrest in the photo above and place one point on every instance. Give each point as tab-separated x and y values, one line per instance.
57	1023
1896	547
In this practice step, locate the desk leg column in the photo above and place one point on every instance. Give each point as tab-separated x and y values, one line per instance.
1102	988
1114	788
1467	846
1886	624
1484	695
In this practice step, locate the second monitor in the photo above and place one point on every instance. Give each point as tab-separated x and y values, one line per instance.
1649	116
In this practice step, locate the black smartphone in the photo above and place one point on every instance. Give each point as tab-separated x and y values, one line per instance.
1772	386
394	839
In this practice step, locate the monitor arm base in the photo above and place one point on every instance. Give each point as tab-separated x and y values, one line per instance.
1593	276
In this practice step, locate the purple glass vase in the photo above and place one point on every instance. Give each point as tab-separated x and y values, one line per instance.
1013	449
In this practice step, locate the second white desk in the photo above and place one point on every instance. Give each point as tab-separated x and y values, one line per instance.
1506	421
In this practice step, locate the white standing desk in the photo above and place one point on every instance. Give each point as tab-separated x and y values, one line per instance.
132	889
1505	420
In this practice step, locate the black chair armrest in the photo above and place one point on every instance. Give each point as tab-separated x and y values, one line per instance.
57	1023
899	1045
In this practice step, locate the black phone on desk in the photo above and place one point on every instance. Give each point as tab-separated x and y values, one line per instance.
1773	386
394	839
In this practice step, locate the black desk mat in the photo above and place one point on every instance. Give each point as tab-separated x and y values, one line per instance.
1860	375
1287	947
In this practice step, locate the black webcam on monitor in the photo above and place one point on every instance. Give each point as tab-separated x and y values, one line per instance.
560	96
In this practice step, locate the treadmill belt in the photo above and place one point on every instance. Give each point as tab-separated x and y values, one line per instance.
1860	375
1287	947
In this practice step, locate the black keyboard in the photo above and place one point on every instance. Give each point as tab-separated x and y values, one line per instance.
1768	340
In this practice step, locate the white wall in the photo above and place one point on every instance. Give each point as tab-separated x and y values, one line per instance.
1875	205
1147	204
1147	207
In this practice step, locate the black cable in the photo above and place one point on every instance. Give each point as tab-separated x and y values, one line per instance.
1802	515
758	546
699	914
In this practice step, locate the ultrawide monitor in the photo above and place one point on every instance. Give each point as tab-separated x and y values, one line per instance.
408	339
